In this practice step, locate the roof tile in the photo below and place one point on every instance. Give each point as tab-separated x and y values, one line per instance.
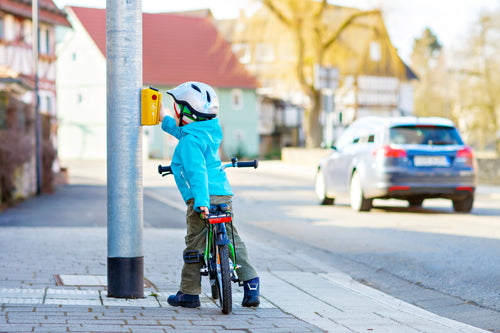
177	48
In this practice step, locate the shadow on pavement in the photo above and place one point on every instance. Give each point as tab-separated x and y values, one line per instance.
82	206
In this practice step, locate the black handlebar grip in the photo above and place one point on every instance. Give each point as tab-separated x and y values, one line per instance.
162	169
254	164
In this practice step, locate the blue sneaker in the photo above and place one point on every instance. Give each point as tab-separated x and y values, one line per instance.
184	300
251	290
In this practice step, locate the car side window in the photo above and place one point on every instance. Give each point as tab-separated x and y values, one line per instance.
367	138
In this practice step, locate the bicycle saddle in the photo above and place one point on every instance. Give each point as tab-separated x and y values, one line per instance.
219	208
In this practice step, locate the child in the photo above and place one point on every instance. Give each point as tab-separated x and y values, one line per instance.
201	181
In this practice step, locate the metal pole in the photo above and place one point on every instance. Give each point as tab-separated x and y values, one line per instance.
38	119
124	148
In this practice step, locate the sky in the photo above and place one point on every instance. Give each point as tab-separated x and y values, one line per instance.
405	19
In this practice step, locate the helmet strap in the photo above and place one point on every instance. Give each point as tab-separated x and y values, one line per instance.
181	114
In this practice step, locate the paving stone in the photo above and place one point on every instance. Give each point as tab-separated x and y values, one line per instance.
313	298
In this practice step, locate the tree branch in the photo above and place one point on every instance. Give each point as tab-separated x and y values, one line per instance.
269	4
345	24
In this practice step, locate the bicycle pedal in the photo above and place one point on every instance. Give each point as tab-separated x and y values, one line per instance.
192	257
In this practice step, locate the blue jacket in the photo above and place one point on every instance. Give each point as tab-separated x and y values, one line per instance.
196	164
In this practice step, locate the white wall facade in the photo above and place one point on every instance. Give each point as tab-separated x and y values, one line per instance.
81	96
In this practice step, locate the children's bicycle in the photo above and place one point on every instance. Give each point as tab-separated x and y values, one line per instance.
218	260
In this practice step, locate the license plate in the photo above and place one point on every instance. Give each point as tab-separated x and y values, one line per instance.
428	161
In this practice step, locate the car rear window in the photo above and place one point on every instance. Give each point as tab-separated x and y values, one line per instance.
424	135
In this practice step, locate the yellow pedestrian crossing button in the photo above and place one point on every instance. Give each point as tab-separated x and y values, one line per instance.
150	106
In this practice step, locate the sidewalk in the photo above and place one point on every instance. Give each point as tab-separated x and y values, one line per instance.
52	279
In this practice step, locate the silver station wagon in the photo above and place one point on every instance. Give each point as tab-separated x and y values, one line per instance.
407	158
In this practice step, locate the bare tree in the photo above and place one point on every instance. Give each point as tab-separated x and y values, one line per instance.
477	77
306	20
431	89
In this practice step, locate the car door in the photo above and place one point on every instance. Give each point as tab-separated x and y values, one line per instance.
339	167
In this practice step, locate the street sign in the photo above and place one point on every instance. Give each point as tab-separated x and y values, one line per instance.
326	77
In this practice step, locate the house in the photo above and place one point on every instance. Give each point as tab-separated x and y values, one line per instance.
176	48
18	95
371	79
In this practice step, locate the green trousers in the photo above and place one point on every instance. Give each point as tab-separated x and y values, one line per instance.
196	239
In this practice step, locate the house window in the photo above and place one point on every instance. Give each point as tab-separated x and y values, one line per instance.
1	27
237	99
47	41
375	52
73	56
264	52
41	41
242	51
49	104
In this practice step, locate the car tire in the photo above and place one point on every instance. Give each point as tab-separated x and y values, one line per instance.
463	205
320	189
358	201
415	203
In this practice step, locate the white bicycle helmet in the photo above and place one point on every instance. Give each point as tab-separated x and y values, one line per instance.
194	101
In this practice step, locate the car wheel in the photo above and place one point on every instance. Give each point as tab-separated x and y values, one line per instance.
320	189
358	201
416	203
463	205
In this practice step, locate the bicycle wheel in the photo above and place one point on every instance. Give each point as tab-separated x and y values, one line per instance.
223	279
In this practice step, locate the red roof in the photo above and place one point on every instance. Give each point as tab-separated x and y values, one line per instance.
48	11
177	48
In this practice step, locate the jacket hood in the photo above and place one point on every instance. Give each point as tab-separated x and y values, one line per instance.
209	131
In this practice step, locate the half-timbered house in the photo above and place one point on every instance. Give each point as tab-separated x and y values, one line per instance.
18	92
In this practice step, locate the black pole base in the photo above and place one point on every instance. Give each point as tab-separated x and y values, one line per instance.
126	277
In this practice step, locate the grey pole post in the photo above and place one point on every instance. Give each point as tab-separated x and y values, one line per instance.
124	148
38	117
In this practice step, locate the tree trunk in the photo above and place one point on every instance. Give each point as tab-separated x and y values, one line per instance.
313	129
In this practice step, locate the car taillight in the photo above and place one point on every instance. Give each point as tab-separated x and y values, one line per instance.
399	188
465	153
466	156
388	151
465	188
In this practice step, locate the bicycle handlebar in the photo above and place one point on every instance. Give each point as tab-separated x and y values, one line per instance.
167	170
164	170
235	164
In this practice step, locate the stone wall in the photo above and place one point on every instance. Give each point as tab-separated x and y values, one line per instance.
489	168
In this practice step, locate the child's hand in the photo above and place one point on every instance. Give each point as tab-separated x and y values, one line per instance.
163	112
204	211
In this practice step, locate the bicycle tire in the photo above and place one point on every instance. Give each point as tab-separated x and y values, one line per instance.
224	279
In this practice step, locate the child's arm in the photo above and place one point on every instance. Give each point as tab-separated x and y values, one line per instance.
168	123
